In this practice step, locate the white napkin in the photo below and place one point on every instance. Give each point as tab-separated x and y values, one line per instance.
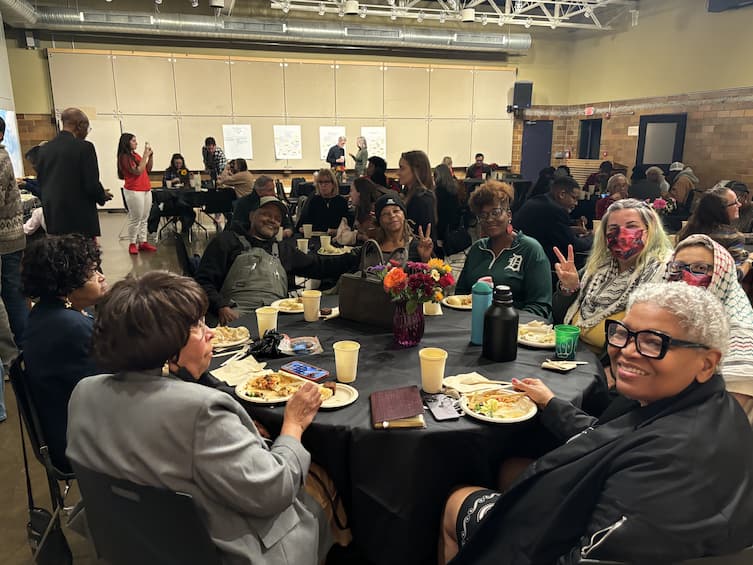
234	372
466	383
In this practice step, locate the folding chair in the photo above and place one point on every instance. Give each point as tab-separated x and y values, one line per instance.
133	523
187	262
219	202
29	415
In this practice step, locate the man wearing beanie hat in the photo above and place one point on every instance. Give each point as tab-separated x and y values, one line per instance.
243	270
682	181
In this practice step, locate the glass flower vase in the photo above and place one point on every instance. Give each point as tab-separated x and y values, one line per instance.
408	329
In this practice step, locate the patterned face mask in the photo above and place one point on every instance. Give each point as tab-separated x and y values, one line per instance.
693	279
625	243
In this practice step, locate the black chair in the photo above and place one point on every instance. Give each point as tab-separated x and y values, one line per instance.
30	417
188	263
745	557
132	523
219	202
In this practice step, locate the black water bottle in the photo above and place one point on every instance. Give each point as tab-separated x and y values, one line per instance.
501	327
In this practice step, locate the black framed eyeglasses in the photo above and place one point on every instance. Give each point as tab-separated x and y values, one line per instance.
649	343
735	202
699	268
494	214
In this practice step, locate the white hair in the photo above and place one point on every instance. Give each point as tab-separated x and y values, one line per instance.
697	311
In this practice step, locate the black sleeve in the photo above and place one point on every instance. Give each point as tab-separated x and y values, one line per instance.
332	156
214	267
421	211
315	266
303	217
564	420
90	174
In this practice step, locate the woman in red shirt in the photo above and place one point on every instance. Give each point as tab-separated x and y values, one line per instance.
134	170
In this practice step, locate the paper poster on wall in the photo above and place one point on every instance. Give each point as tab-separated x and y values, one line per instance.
328	136
376	140
288	143
633	131
237	141
12	142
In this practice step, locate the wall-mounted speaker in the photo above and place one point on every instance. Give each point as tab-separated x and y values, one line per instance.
521	97
28	39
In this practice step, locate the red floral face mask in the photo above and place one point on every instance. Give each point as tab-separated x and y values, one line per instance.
693	279
625	243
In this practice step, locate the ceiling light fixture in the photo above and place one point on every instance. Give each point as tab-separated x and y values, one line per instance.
442	18
285	7
362	12
194	3
321	9
158	2
420	17
529	23
341	12
351	7
393	14
484	19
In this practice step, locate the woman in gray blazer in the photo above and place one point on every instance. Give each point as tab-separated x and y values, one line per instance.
167	431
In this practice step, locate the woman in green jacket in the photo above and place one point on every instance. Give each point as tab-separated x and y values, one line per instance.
361	157
506	255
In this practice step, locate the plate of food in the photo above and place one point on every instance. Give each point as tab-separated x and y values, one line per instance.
275	388
459	301
334	250
289	305
498	406
225	336
344	395
536	334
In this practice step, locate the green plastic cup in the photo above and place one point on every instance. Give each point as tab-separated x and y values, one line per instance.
566	341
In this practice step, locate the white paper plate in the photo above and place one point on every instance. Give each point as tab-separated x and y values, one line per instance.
527	416
455	306
239	391
334	251
344	396
536	344
276	304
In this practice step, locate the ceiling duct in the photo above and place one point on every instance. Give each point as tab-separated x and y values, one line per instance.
19	13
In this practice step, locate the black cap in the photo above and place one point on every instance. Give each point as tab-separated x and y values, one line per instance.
388	200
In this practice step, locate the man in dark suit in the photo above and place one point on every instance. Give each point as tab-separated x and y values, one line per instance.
546	218
68	175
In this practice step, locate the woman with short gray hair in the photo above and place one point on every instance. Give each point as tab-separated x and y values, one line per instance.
645	482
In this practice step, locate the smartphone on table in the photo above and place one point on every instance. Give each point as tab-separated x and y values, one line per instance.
306	371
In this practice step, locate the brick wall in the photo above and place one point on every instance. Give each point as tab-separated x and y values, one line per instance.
32	130
718	138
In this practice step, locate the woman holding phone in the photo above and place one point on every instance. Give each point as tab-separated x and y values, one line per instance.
134	169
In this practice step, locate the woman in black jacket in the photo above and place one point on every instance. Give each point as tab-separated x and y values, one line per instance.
657	480
418	183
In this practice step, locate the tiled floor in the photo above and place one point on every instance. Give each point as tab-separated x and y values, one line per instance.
117	264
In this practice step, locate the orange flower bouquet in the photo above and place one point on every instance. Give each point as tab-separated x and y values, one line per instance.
417	283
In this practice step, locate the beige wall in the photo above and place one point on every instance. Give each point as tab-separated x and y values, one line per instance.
678	47
6	94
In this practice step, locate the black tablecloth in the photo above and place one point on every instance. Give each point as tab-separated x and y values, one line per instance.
395	482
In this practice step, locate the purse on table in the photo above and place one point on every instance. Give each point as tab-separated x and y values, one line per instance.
362	295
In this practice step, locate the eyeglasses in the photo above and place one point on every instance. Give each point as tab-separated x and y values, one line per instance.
677	267
202	327
493	214
649	343
736	202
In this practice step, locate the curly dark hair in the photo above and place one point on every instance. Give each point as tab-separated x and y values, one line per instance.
58	265
491	192
144	322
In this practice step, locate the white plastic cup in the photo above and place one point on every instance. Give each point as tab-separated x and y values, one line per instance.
432	309
266	319
279	234
311	302
432	368
307	230
346	360
326	241
303	245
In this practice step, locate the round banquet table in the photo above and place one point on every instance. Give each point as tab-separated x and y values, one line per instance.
394	482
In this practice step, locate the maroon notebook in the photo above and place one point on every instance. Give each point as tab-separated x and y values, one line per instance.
397	408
